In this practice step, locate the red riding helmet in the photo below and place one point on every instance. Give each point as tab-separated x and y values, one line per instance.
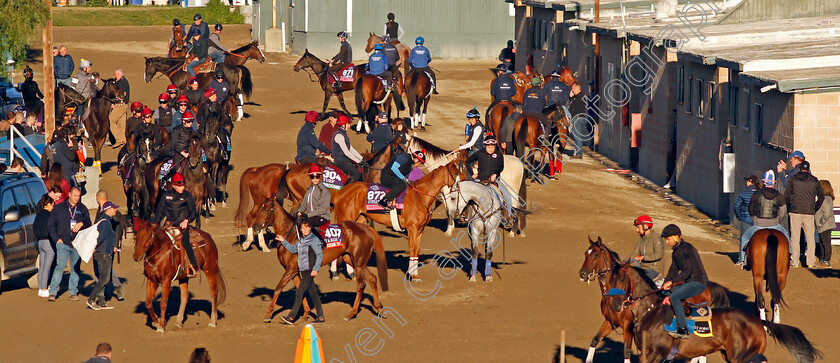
643	219
193	79
342	120
147	111
314	169
163	98
183	99
178	179
136	106
172	88
209	92
420	155
187	116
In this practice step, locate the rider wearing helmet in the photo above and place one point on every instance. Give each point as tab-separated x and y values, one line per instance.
491	162
182	105
686	278
345	156
768	209
508	55
173	92
163	114
395	174
502	89
177	205
208	108
195	95
221	85
556	91
198	51
392	28
342	59
307	142
175	25
391	53
135	119
179	143
378	64
85	83
217	50
419	60
32	93
316	201
200	25
474	132
648	253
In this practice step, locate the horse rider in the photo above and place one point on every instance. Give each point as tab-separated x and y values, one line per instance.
307	142
391	53
533	103
556	94
198	51
163	114
508	55
179	143
207	107
217	50
316	202
341	60
491	162
393	29
345	156
502	89
686	278
178	115
767	208
474	131
381	135
149	130
177	205
200	25
136	119
85	83
221	85
31	92
194	94
395	174
419	60
172	91
649	251
378	66
175	25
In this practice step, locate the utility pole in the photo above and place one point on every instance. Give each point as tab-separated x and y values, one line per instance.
49	78
597	73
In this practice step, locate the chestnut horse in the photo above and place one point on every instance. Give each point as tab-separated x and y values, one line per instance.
527	132
369	92
768	256
261	184
419	203
600	262
403	49
239	56
359	243
737	334
161	258
319	68
179	49
418	89
497	114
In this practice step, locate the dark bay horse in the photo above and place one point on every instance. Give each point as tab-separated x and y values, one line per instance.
238	76
318	67
371	96
420	199
239	56
217	164
768	256
418	90
196	176
161	258
736	334
403	49
98	122
600	263
134	178
359	243
65	97
179	49
261	184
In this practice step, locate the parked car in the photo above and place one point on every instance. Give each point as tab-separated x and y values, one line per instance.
19	195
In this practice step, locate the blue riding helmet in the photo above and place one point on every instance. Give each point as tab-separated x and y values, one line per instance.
769	178
473	113
377	47
195	32
342	34
419	40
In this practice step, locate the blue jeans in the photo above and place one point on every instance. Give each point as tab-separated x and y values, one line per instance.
194	64
682	292
63	253
218	57
743	226
749	232
578	134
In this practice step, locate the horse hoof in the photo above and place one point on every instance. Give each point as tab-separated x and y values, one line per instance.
212	207
472	278
266	250
267	320
347	318
179	326
224	205
416	279
159	330
211	325
511	234
246	246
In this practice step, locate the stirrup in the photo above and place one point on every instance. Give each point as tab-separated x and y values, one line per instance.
191	272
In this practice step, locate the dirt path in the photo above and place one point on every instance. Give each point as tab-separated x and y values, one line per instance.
535	295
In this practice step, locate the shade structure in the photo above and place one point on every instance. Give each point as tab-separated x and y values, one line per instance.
309	349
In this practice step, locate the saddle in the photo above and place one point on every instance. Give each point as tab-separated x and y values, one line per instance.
333	237
376	192
208	66
174	234
345	74
698	319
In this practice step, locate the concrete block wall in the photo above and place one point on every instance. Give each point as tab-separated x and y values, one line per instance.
816	132
658	118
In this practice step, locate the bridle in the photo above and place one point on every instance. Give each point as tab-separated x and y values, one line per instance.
306	68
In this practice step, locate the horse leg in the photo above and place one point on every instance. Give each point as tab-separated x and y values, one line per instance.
249	238
628	339
340	97
261	241
212	277
185	296
287	276
489	246
360	290
450	225
606	329
151	291
758	271
413	253
164	300
371	279
474	251
425	105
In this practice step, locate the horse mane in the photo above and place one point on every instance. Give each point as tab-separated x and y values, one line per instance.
433	153
242	48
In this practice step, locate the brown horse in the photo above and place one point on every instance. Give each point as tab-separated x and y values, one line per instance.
161	258
403	49
418	89
527	132
239	56
497	114
98	122
318	67
196	176
371	96
599	263
419	202
179	49
359	243
736	334
261	183
768	256
237	76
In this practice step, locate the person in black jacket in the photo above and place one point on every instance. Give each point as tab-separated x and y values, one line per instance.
381	135
31	93
395	175
198	51
580	131
103	255
46	247
686	278
804	196
508	55
306	141
491	162
177	205
66	220
179	143
65	155
342	59
767	209
117	224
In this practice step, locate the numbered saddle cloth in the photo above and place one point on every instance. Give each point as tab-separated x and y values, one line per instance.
164	168
346	73
376	192
333	237
699	322
333	178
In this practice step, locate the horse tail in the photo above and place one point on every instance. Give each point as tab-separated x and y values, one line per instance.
221	287
720	295
244	201
282	189
247	85
381	260
522	137
794	340
398	100
771	268
360	95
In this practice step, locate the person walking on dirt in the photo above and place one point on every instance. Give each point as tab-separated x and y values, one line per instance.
103	354
395	175
825	223
307	143
177	206
804	195
103	256
63	67
380	137
66	220
393	29
741	209
686	278
198	51
419	59
341	60
117	225
649	251
345	156
217	50
490	161
119	109
310	257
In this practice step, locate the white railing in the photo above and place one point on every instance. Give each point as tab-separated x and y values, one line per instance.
13	152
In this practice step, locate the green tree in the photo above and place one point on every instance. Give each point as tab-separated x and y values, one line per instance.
20	20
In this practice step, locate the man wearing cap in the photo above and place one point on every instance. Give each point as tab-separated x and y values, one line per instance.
194	94
345	156
491	162
649	251
316	201
177	205
307	143
217	50
741	210
103	256
804	195
325	137
767	209
85	83
342	59
163	114
381	135
119	109
63	67
118	226
686	278
783	174
419	59
200	25
508	55
221	86
395	174
556	92
474	132
198	51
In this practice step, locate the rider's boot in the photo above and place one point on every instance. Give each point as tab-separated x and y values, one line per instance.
384	204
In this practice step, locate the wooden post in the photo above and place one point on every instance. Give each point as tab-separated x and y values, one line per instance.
597	74
49	78
562	346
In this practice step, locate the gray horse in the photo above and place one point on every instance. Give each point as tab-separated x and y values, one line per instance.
483	209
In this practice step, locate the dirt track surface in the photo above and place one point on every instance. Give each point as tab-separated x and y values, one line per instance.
536	293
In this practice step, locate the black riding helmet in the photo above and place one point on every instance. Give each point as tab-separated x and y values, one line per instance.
197	17
218	26
176	22
391	16
342	34
220	73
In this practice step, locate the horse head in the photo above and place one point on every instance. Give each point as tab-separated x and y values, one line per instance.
257	52
567	76
456	201
110	89
150	70
372	41
144	150
307	60
195	149
597	260
144	235
210	128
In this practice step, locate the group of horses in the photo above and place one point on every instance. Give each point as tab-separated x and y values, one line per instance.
631	302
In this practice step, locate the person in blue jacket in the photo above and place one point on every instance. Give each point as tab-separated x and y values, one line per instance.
309	256
378	65
742	211
419	60
395	174
307	142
